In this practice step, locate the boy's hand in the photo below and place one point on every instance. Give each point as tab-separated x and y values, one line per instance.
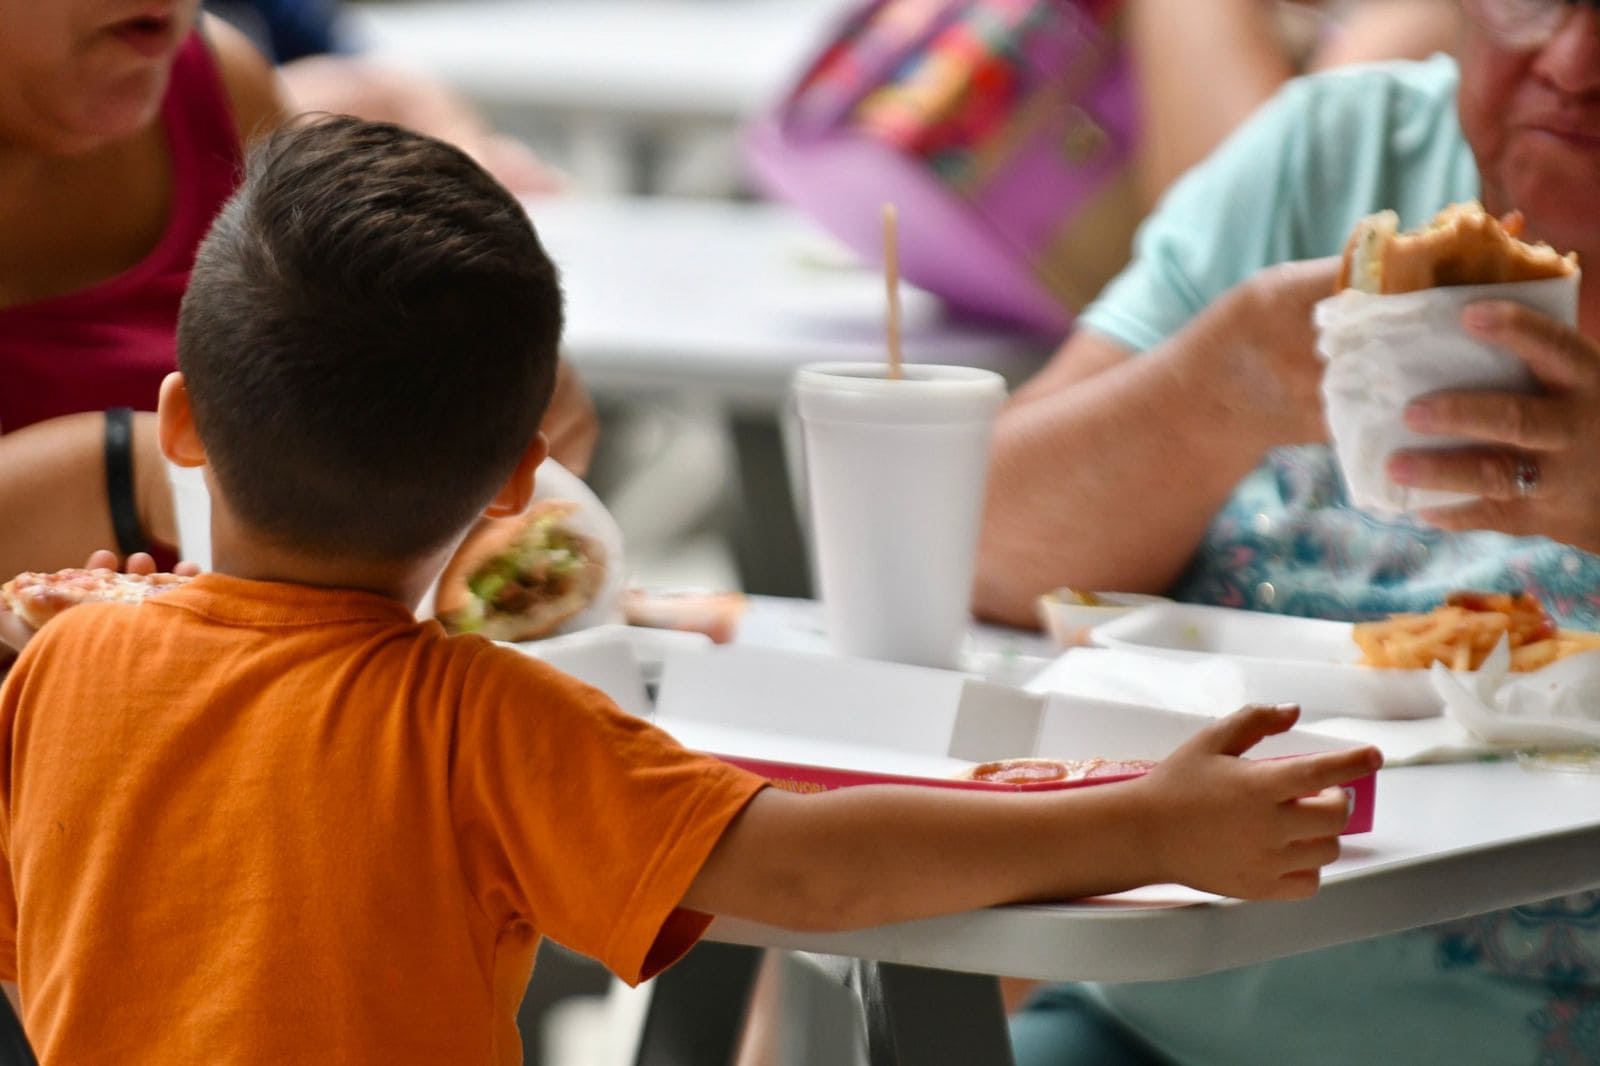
1256	829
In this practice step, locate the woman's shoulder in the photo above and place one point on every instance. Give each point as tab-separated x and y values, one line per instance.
254	94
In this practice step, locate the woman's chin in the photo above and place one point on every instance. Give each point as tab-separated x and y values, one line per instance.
101	123
1556	197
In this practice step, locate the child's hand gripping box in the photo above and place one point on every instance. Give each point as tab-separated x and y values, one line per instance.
814	722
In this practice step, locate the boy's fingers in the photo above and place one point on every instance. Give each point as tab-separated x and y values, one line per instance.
1241	730
1306	775
1309	855
1324	814
1320	817
101	560
1302	884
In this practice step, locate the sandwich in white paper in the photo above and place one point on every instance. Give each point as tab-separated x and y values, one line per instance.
1394	334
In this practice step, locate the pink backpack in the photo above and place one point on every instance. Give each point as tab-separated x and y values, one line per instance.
1003	131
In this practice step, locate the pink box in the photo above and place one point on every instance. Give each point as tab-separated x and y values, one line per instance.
818	722
799	777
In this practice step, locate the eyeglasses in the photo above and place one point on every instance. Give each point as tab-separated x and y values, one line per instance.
1522	24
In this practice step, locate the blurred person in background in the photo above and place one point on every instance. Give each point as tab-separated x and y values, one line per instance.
321	71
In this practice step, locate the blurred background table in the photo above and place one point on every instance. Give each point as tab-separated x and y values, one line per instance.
725	299
625	84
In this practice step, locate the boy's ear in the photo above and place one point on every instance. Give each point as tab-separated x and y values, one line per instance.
175	424
515	495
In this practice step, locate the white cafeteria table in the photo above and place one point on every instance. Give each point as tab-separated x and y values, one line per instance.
1448	841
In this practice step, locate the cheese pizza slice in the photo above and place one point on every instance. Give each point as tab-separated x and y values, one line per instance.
37	598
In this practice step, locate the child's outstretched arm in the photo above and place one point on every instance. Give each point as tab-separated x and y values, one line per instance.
873	855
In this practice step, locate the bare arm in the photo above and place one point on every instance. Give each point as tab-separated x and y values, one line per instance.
255	94
869	856
1106	468
53	490
1203	68
355	86
1391	29
1230	47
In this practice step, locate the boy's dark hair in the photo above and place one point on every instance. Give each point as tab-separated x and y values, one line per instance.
369	340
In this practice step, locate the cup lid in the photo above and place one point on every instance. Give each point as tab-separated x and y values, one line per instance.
928	392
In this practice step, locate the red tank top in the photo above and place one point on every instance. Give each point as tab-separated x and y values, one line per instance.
111	344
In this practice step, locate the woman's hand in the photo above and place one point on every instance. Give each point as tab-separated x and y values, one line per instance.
570	423
1268	351
137	563
1535	469
14	634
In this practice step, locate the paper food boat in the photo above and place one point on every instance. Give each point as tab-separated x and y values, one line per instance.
817	722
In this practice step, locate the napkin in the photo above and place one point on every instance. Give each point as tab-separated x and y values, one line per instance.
1216	686
1199	686
1556	705
1385	351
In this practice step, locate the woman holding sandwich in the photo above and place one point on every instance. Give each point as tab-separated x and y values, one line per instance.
1194	382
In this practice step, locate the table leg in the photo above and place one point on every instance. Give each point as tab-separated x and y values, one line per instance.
14	1049
697	1008
561	974
920	1017
766	537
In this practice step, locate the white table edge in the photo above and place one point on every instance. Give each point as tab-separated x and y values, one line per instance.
1088	942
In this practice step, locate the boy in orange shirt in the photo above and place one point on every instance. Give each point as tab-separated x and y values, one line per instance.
270	817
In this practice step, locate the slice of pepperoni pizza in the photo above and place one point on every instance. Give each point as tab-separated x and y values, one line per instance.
1030	771
37	598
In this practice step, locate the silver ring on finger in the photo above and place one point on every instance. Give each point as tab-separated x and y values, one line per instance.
1525	477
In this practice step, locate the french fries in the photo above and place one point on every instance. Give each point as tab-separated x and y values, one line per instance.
1463	632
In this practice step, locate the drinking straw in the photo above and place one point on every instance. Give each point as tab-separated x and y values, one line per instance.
891	278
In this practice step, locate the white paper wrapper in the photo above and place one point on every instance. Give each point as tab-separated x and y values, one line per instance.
1559	704
1385	351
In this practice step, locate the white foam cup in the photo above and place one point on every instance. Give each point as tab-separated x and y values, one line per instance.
895	472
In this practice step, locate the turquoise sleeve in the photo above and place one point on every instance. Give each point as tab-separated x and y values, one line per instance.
1289	184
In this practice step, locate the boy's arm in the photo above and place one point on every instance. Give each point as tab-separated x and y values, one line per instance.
255	93
868	856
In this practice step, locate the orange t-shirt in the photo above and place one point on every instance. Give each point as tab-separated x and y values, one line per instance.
254	822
